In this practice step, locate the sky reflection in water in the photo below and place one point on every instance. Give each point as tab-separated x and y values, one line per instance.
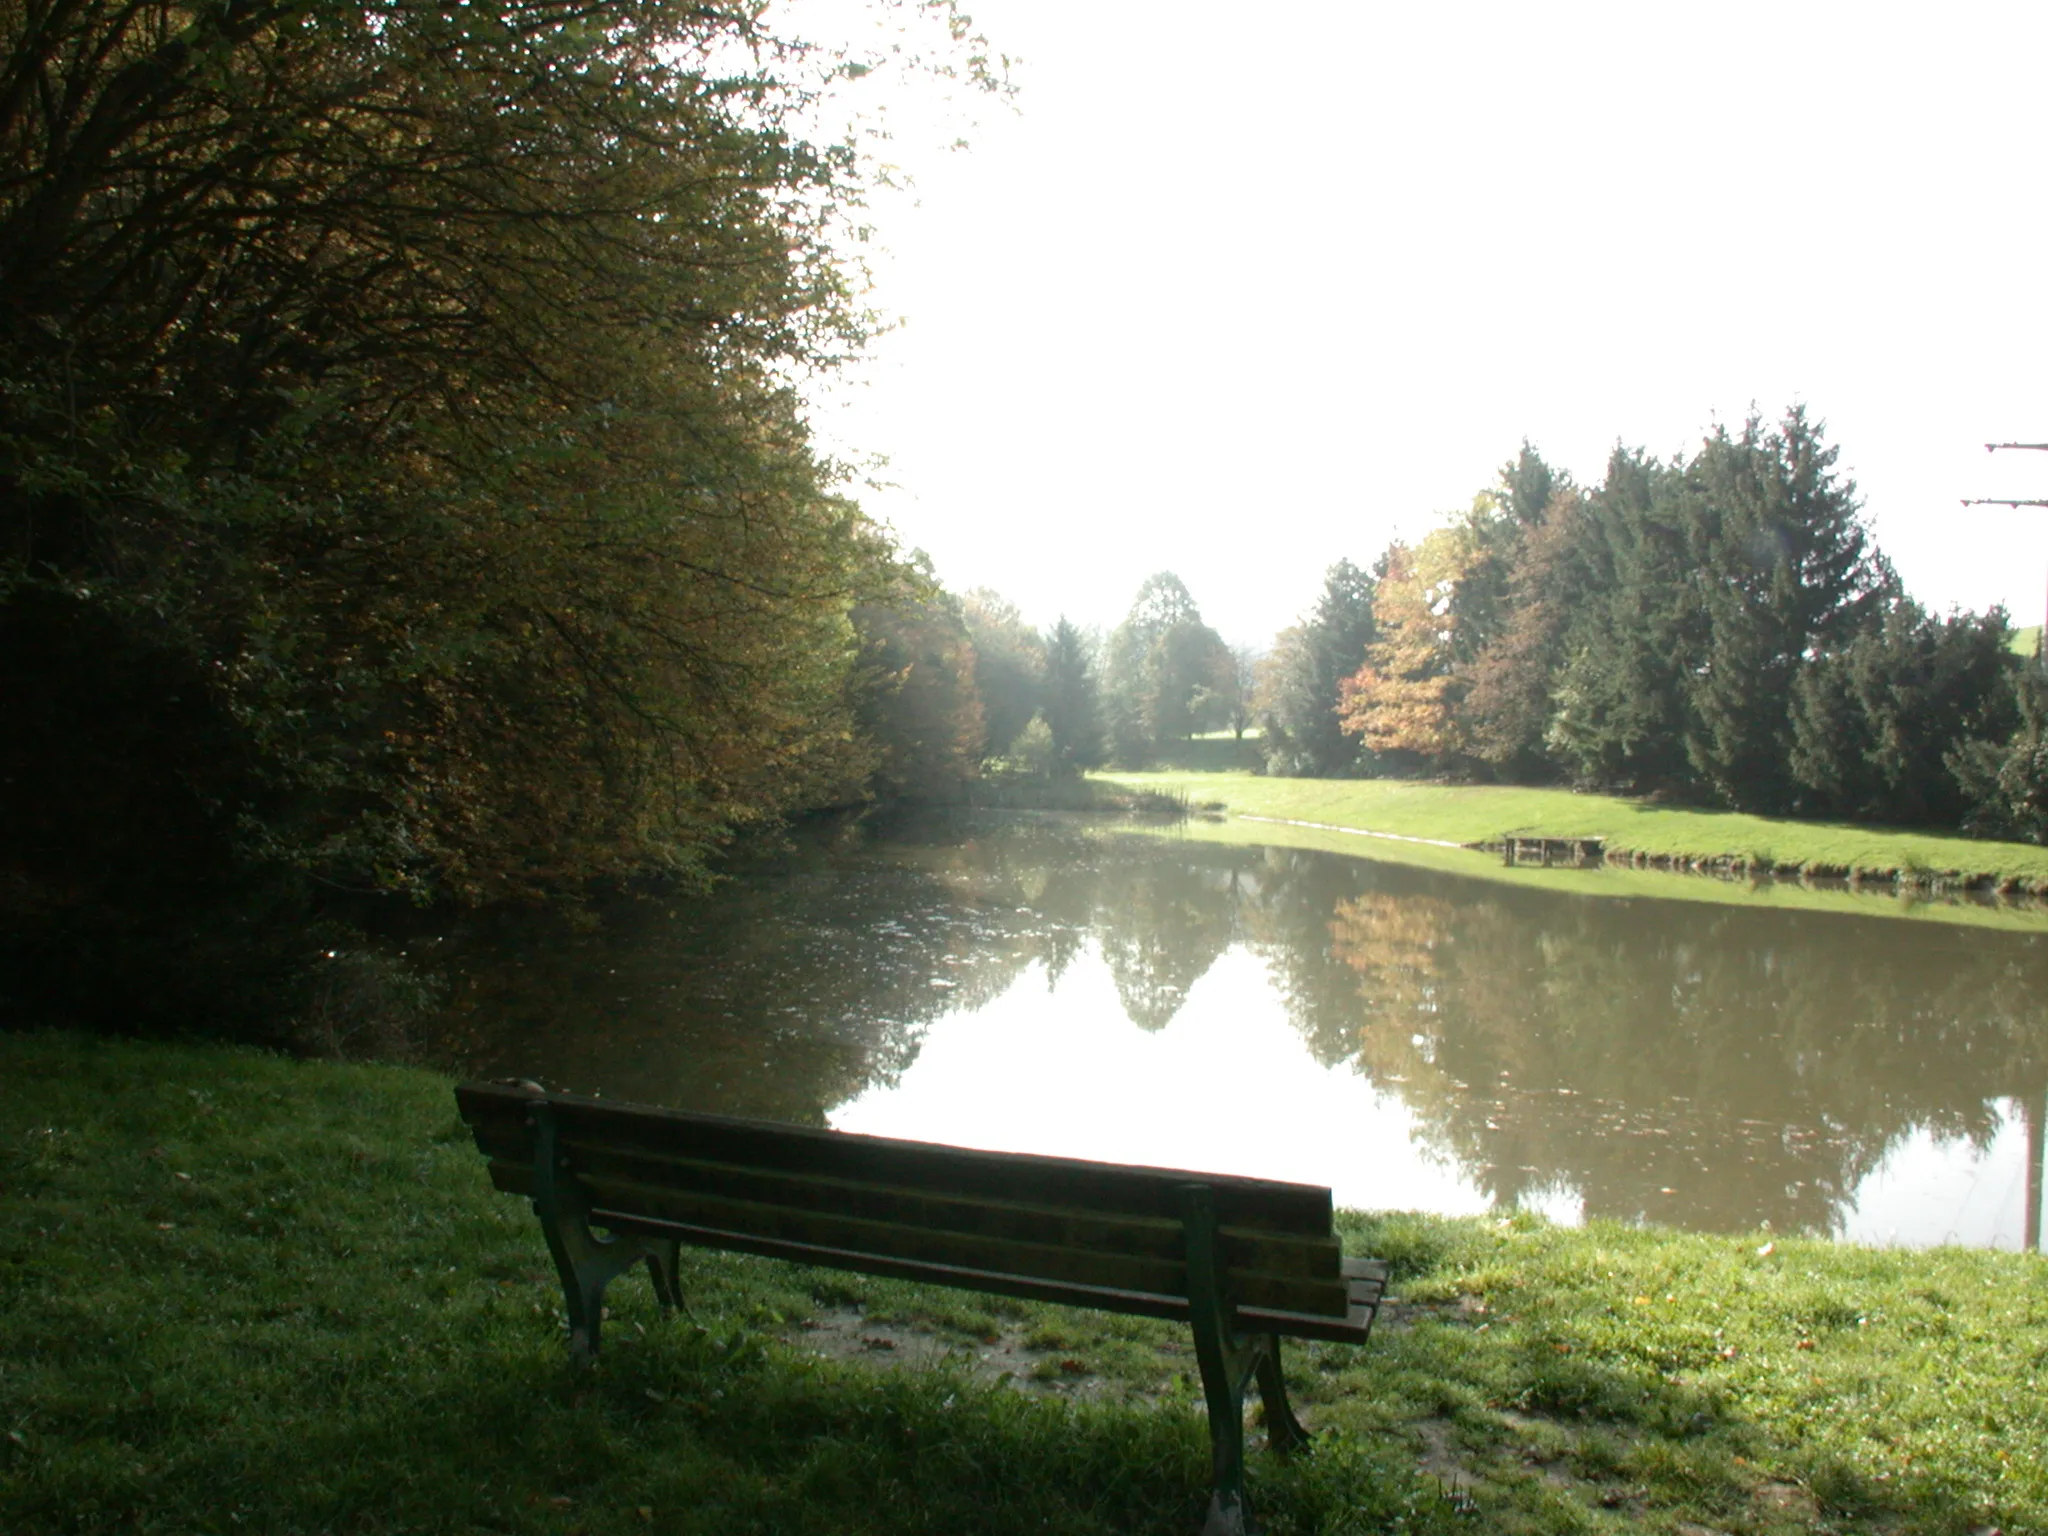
1229	1085
1413	1038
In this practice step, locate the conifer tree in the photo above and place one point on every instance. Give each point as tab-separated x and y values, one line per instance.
1875	721
2004	783
1073	703
1782	568
1300	693
1619	714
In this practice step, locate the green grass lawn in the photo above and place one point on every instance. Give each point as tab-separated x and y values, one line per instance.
1216	752
241	1294
2027	642
1465	814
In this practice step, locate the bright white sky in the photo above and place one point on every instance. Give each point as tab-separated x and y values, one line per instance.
1236	297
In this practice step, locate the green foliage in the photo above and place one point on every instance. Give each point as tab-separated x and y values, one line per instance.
1717	629
444	449
1009	664
406	487
1227	701
2004	783
1703	589
1300	680
1508	710
1783	569
1073	701
1162	663
1034	751
1875	720
1620	714
914	696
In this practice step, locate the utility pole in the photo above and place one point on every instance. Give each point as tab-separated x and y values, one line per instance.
2032	1110
2040	640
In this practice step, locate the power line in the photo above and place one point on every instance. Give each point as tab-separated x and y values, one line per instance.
2041	644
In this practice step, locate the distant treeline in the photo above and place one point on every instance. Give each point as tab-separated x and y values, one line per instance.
1718	630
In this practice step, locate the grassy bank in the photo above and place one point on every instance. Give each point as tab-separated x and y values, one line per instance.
241	1294
1465	814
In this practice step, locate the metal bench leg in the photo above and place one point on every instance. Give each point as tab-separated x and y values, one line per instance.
1283	1430
586	1262
1227	1362
662	1258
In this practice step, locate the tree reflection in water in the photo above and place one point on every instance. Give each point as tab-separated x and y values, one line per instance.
1707	1065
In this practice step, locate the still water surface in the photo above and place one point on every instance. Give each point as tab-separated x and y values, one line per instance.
1414	1039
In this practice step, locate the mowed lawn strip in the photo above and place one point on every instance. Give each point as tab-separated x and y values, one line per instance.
1467	814
239	1293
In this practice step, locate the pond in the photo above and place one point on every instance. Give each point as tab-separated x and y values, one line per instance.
1414	1038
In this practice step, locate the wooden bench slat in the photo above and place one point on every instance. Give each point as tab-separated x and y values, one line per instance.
1104	1270
1267	1205
1304	1258
1351	1328
1024	1287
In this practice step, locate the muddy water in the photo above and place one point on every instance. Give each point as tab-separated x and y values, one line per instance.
1415	1039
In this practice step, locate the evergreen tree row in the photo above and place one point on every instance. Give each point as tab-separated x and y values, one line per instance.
1719	629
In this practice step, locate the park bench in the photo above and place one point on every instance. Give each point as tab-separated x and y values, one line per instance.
1245	1262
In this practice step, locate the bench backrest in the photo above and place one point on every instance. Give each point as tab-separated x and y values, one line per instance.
1067	1229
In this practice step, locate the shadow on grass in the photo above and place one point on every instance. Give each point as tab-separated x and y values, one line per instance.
1554	1414
681	1430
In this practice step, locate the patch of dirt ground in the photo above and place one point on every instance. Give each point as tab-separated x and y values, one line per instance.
1006	1359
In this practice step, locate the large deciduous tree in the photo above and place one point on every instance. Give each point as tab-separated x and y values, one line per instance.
1158	659
1404	700
406	392
1531	580
914	692
1009	665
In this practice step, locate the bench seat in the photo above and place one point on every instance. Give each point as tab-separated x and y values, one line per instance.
1243	1262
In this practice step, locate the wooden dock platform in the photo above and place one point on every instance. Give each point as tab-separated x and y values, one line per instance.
1551	852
